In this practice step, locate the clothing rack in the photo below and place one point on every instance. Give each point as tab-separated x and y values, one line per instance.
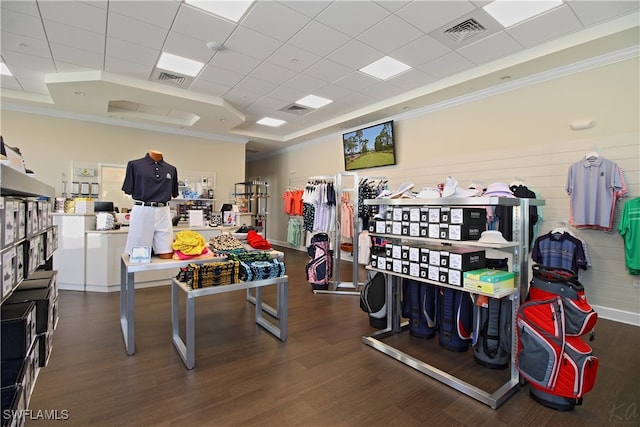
341	187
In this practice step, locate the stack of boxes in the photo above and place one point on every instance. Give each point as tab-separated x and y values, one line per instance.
489	281
447	223
20	357
446	263
28	239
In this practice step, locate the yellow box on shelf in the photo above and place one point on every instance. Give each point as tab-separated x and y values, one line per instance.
488	280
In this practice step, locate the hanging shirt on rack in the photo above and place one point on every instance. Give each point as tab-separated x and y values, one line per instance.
559	250
594	184
346	218
629	229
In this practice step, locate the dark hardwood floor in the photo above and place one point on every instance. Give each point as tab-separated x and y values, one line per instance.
323	375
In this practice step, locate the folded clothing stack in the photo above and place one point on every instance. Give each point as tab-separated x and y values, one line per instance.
210	274
256	241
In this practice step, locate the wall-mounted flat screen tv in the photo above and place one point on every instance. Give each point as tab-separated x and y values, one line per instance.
369	147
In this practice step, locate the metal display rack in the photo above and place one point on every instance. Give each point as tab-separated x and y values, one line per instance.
342	186
519	249
32	248
251	198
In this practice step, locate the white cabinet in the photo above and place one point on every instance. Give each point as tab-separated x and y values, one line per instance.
516	251
103	255
70	259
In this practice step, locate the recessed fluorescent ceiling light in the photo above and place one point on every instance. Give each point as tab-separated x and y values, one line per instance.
510	12
232	10
268	121
313	101
180	65
385	68
4	70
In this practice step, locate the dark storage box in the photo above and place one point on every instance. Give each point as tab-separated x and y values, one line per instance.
444	231
12	372
465	259
468	216
44	349
18	329
445	214
13	406
41	298
443	275
466	231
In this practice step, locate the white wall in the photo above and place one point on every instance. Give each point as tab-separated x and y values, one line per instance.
524	133
50	146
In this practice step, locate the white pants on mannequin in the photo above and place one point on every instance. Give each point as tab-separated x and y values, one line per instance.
150	226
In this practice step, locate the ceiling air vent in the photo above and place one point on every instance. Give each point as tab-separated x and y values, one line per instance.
179	80
464	31
297	109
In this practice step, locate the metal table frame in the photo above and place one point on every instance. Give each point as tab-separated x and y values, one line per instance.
128	297
127	290
187	350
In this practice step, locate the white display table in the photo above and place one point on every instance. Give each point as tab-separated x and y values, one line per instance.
103	250
187	350
128	271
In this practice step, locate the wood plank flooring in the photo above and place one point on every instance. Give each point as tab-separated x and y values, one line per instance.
323	375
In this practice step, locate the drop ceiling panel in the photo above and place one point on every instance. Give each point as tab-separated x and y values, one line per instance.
446	65
127	68
350	18
272	73
188	47
327	70
20	23
421	51
135	31
26	45
275	20
9	83
27	62
593	12
208	88
309	8
356	81
305	83
76	38
429	15
318	38
286	95
138	54
158	13
213	74
412	79
251	43
85	58
234	61
255	86
390	34
489	48
94	19
25	7
293	58
355	55
557	22
201	25
241	98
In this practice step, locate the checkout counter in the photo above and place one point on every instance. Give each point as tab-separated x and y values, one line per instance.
89	260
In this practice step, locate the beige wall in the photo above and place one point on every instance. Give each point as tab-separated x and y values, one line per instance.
50	146
524	133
